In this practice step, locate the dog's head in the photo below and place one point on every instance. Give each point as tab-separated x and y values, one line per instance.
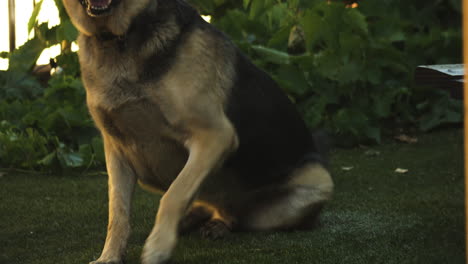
95	16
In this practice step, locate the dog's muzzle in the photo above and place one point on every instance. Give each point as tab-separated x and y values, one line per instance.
97	8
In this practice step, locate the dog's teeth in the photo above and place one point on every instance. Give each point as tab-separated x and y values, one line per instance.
99	7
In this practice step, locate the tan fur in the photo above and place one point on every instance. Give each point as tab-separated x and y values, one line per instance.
309	185
313	175
208	84
172	132
121	185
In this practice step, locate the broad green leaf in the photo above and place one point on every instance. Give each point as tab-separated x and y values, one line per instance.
328	64
349	72
373	75
429	122
356	20
373	133
453	117
69	159
49	159
272	55
33	18
25	57
69	31
352	45
256	7
246	3
279	40
219	2
312	24
98	148
293	80
86	152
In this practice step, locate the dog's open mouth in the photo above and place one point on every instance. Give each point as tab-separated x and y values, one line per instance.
96	8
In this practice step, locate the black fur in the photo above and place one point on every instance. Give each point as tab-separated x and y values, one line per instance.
272	135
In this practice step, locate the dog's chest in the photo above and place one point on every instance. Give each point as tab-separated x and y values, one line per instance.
148	142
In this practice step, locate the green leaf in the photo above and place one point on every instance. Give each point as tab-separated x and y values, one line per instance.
328	64
373	133
69	159
352	120
352	45
429	122
453	117
69	31
98	148
272	55
49	159
356	20
25	57
256	7
292	80
219	2
33	18
311	22
246	3
279	40
349	72
382	106
86	153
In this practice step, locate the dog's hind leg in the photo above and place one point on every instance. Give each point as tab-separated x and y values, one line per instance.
207	219
295	204
121	185
196	216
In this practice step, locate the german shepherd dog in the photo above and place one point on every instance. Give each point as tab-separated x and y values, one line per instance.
182	110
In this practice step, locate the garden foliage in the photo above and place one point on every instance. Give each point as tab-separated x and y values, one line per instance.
349	70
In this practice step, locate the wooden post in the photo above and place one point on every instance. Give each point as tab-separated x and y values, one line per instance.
12	24
465	59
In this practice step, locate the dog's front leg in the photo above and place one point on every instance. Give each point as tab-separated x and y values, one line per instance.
121	185
207	149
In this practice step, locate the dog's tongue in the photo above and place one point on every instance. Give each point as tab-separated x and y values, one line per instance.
100	3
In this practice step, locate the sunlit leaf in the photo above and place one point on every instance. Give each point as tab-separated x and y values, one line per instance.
35	13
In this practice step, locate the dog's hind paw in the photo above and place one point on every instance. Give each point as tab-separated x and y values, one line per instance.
215	229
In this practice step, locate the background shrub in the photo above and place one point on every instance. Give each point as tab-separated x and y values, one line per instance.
349	70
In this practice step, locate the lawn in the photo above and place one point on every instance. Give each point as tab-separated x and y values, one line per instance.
376	216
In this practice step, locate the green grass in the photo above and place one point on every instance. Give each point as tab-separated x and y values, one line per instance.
376	216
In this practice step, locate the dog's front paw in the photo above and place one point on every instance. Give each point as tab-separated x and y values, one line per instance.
155	257
214	229
158	248
107	262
